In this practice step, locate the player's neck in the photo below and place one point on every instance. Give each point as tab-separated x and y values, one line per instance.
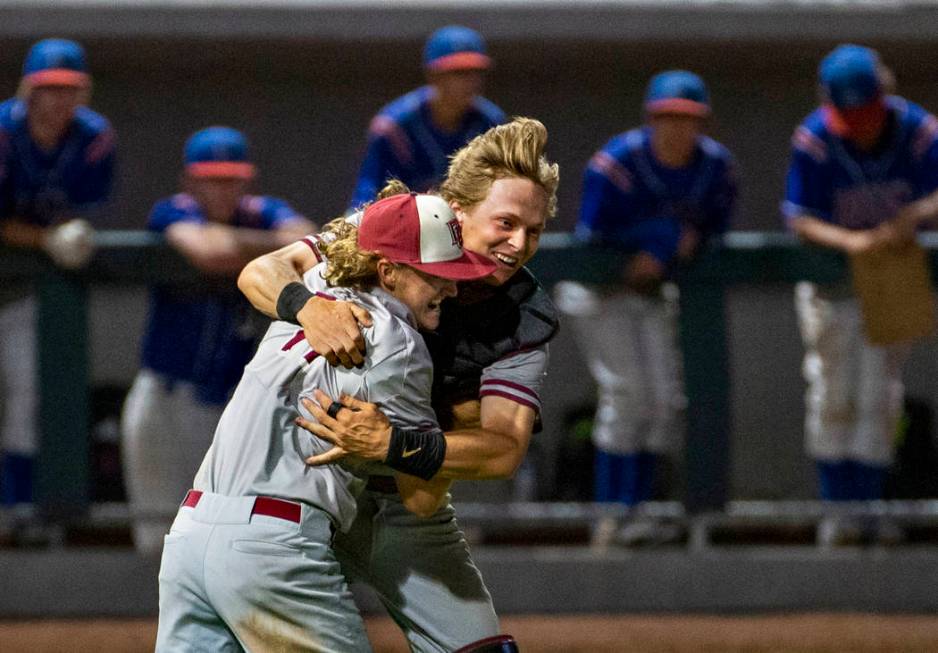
670	156
446	116
46	136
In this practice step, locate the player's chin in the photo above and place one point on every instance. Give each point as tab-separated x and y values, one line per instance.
501	275
429	319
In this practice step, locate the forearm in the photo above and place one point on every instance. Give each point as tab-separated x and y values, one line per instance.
223	249
264	278
479	454
252	243
15	233
921	211
819	232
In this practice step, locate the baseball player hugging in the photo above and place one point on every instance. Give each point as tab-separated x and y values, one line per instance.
657	192
490	354
199	335
249	561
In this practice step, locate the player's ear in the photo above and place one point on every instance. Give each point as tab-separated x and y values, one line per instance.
457	210
387	274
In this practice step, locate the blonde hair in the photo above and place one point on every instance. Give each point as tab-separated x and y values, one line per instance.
515	149
347	264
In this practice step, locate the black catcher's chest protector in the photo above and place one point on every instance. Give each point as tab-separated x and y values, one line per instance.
520	315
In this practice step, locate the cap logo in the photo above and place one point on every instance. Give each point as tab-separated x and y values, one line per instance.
455	231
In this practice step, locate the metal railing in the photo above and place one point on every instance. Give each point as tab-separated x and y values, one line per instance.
134	258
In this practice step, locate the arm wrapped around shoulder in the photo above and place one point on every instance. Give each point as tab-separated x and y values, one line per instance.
418	453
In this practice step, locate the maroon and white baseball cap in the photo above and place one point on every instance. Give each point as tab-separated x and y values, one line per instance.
421	231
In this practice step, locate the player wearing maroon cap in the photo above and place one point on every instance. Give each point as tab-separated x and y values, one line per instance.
198	336
249	559
490	358
412	138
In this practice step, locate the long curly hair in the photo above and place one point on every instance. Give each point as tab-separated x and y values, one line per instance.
347	264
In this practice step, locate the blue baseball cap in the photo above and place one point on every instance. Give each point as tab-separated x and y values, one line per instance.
218	152
677	92
455	47
56	62
850	76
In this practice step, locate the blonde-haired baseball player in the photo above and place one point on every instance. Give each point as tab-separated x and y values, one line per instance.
490	358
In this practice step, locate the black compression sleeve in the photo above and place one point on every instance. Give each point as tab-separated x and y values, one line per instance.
418	453
292	298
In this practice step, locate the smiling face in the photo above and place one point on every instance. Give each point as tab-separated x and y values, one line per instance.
422	293
506	226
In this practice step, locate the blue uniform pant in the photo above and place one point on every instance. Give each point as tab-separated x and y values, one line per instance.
628	479
850	480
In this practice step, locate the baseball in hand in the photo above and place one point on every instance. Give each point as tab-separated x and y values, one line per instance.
71	244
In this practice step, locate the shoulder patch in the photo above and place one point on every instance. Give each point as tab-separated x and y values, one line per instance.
924	136
805	141
386	127
609	167
101	147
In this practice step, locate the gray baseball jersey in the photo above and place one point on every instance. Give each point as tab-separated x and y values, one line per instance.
518	376
421	568
258	450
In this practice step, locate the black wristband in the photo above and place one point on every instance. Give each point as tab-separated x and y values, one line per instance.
292	298
418	453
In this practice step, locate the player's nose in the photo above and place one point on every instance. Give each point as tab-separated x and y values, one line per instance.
518	239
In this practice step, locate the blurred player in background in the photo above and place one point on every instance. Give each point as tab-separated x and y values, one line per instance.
490	358
228	575
199	335
863	176
412	138
658	192
56	169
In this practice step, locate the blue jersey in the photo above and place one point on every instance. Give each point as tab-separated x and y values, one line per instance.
404	143
205	333
831	180
42	187
633	202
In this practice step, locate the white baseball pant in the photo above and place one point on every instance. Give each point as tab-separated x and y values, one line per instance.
854	395
421	570
231	580
166	432
19	433
631	347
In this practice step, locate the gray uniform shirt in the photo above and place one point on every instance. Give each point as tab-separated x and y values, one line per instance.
258	450
517	377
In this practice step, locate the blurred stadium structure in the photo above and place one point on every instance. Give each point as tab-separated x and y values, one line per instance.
304	76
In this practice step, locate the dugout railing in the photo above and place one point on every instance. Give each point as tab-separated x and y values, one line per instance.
139	258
